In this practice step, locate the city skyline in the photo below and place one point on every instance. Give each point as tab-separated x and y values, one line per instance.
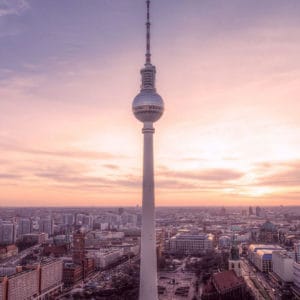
229	72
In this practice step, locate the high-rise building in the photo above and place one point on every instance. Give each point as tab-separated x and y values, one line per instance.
46	226
250	211
7	232
88	221
24	226
129	219
114	220
148	107
68	219
258	211
84	220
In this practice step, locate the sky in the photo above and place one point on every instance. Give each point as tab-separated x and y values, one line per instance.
228	71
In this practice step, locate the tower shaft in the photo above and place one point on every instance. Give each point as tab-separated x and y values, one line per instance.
148	272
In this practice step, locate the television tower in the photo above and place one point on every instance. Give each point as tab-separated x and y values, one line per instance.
148	107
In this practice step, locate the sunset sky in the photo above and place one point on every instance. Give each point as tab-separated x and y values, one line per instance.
229	73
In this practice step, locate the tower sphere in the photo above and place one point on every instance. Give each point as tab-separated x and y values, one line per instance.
148	106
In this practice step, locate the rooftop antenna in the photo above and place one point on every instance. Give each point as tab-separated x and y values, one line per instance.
148	24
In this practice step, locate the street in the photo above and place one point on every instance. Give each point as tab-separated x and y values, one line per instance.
257	282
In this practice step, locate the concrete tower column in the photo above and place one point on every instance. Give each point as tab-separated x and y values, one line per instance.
148	277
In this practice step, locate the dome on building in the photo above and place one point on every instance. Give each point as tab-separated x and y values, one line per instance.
268	226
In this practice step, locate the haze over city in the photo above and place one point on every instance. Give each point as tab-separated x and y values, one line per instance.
228	70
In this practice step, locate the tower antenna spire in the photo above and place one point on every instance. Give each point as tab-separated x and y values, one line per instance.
148	24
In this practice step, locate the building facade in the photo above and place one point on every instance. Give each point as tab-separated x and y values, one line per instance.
24	226
105	257
46	226
72	273
32	282
283	265
8	234
51	275
191	244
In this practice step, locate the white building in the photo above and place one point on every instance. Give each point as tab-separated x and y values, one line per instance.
128	248
263	260
261	255
297	252
51	273
191	244
253	248
283	265
24	285
98	238
105	257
